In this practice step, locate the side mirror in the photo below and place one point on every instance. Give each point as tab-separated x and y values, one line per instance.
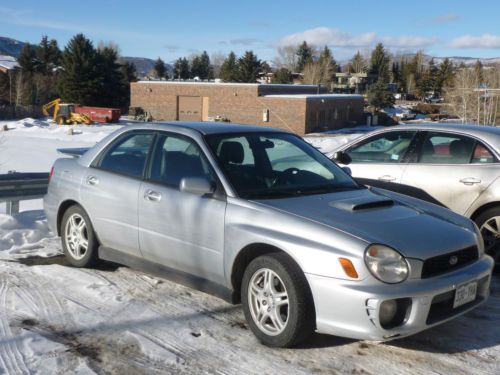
197	185
341	157
347	170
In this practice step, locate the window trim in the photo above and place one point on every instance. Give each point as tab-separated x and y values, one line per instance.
96	163
409	153
424	133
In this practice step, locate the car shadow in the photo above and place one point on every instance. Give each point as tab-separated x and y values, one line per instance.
37	260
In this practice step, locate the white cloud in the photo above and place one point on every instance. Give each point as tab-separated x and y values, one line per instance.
336	38
445	18
482	41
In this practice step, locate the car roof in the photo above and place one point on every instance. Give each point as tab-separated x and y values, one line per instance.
207	128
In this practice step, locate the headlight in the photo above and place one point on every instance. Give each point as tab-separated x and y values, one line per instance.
386	264
480	240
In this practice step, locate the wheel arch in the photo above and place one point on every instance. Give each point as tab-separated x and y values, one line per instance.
63	207
243	259
483	208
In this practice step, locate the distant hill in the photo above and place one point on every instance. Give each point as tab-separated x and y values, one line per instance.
143	65
10	47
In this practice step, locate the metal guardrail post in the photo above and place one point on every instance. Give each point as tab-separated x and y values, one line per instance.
12	207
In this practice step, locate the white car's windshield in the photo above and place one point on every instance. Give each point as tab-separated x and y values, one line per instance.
265	165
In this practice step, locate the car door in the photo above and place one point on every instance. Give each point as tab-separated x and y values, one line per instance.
453	168
110	188
382	156
181	230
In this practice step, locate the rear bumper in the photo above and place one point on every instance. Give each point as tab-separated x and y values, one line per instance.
351	309
50	208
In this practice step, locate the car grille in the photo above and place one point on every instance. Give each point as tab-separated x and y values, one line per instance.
449	262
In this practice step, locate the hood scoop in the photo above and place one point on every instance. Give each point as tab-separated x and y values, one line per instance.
361	203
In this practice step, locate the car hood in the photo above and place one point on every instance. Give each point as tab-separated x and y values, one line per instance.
377	218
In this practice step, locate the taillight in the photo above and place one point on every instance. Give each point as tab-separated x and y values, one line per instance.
51	173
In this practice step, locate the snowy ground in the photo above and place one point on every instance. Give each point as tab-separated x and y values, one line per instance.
114	320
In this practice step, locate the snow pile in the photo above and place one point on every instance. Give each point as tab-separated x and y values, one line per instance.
329	144
25	233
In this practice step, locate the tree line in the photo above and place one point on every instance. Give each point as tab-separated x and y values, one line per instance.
80	73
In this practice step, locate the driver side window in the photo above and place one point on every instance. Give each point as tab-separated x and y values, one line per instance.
388	147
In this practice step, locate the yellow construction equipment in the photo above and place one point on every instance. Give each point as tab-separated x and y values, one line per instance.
65	114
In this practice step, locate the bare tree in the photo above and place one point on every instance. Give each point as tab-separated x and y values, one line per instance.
286	57
217	59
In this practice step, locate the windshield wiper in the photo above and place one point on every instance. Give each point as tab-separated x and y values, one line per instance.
272	193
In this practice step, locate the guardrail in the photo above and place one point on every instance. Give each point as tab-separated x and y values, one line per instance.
16	187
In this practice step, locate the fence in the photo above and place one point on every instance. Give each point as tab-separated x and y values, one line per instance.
16	187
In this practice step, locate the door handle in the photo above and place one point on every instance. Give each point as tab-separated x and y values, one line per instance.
152	195
470	181
387	178
92	180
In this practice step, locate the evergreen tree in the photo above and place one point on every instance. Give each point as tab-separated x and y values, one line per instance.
48	55
229	68
129	71
27	59
80	79
379	96
305	55
444	74
282	75
328	64
114	91
249	67
379	63
478	71
160	69
181	68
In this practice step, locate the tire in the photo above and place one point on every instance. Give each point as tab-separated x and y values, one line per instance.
490	230
282	324
76	231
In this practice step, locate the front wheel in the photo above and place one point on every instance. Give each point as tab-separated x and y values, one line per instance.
277	301
489	225
78	238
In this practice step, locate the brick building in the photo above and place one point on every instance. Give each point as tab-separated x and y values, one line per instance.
298	108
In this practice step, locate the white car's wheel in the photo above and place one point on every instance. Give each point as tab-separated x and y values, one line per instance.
277	301
78	238
489	225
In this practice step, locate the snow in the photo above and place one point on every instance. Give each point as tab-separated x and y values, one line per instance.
8	62
329	143
112	319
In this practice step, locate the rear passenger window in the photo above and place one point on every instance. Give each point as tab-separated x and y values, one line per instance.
128	156
442	148
482	155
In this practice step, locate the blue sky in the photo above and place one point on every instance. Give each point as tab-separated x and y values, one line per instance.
169	29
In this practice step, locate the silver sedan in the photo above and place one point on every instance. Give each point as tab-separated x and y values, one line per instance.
257	215
456	166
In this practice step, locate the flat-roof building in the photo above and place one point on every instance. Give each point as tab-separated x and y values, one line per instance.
298	108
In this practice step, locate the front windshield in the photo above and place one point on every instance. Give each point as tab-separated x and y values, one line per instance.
270	165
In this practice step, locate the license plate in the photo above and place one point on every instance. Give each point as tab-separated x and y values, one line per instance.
465	293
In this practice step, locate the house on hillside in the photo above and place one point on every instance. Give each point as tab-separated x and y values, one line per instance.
7	63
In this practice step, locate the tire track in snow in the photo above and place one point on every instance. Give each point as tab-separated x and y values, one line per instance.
10	352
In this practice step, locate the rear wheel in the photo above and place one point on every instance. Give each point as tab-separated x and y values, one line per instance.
277	301
78	238
489	225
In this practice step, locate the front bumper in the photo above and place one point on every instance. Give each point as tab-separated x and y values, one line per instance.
351	309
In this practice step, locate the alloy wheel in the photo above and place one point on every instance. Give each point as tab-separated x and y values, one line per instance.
268	302
76	236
